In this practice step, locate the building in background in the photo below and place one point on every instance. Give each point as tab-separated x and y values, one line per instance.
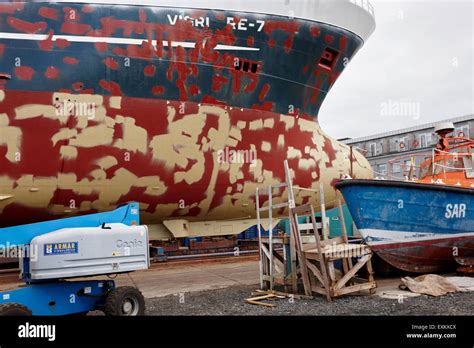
409	143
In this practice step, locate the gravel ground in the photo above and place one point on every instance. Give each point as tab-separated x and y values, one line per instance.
230	301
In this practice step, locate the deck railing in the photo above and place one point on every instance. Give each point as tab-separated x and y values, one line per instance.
366	5
411	171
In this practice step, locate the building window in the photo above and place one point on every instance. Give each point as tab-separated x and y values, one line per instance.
403	144
396	168
407	167
382	169
462	131
425	140
373	149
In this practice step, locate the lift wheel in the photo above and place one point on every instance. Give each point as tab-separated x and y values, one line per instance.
125	301
14	309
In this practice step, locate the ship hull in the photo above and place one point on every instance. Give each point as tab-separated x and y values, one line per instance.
418	228
185	114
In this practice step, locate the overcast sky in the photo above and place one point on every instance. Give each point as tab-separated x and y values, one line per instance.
420	60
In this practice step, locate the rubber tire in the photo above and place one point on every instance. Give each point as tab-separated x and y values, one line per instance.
113	303
14	309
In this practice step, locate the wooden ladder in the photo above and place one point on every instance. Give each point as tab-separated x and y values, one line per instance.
313	256
267	251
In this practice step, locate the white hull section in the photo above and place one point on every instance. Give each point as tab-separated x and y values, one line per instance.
375	237
354	15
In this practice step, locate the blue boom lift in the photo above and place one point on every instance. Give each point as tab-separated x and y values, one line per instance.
53	253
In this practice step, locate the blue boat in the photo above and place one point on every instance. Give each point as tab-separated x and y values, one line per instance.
423	225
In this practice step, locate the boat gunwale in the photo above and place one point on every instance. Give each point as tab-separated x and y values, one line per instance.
405	184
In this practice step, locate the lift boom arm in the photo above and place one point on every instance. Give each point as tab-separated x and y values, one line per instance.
16	236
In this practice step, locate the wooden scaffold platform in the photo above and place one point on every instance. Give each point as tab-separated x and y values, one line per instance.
309	253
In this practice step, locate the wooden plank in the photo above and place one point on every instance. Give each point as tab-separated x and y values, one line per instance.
265	250
263	297
305	227
362	261
323	211
302	209
309	246
279	257
316	272
260	303
280	205
343	221
260	263
293	274
355	288
270	235
293	241
277	295
370	270
319	290
308	238
322	260
309	226
313	255
331	272
304	269
332	241
276	206
276	240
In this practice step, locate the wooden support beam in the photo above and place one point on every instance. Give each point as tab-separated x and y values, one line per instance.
268	295
316	272
265	250
355	288
302	209
362	261
299	251
257	303
279	257
322	262
275	206
320	290
309	226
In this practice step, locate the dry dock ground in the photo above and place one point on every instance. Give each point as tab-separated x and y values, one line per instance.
220	287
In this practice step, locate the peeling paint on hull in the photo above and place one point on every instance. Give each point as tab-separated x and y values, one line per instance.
121	158
167	98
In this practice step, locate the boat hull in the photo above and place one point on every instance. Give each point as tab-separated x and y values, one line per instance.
414	227
169	99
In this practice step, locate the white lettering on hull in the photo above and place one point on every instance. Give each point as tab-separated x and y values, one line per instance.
455	211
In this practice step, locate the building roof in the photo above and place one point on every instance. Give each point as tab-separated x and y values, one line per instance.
407	130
